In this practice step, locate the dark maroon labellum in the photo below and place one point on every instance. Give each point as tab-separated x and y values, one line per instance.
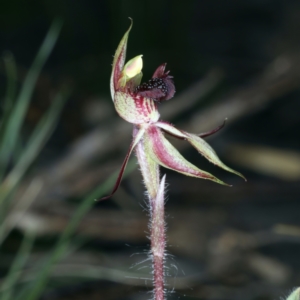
155	88
159	88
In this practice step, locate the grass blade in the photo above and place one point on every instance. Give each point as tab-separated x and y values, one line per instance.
11	73
37	140
17	115
62	245
12	216
15	269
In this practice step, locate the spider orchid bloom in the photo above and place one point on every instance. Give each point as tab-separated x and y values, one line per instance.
137	104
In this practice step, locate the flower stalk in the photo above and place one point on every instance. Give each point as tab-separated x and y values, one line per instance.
158	241
156	193
136	103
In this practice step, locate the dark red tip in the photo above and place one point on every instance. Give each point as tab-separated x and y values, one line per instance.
160	71
120	175
208	133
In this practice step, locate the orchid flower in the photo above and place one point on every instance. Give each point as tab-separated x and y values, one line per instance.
137	104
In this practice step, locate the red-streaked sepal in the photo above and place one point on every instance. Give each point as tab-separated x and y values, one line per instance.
161	151
135	141
202	146
118	62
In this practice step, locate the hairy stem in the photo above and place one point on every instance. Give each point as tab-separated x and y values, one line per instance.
155	190
158	241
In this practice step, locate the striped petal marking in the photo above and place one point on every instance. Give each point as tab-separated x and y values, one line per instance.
136	109
162	151
198	143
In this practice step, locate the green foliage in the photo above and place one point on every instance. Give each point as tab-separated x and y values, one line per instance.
15	270
14	165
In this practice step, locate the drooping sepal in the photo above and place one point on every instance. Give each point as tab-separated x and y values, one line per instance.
213	131
209	153
197	142
135	141
162	151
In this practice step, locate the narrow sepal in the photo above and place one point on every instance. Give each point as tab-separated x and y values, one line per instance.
208	133
170	129
118	62
162	151
209	153
135	141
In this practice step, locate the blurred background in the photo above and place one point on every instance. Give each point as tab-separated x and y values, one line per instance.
62	144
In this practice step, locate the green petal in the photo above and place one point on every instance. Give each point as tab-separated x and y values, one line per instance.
132	73
133	66
203	147
162	152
